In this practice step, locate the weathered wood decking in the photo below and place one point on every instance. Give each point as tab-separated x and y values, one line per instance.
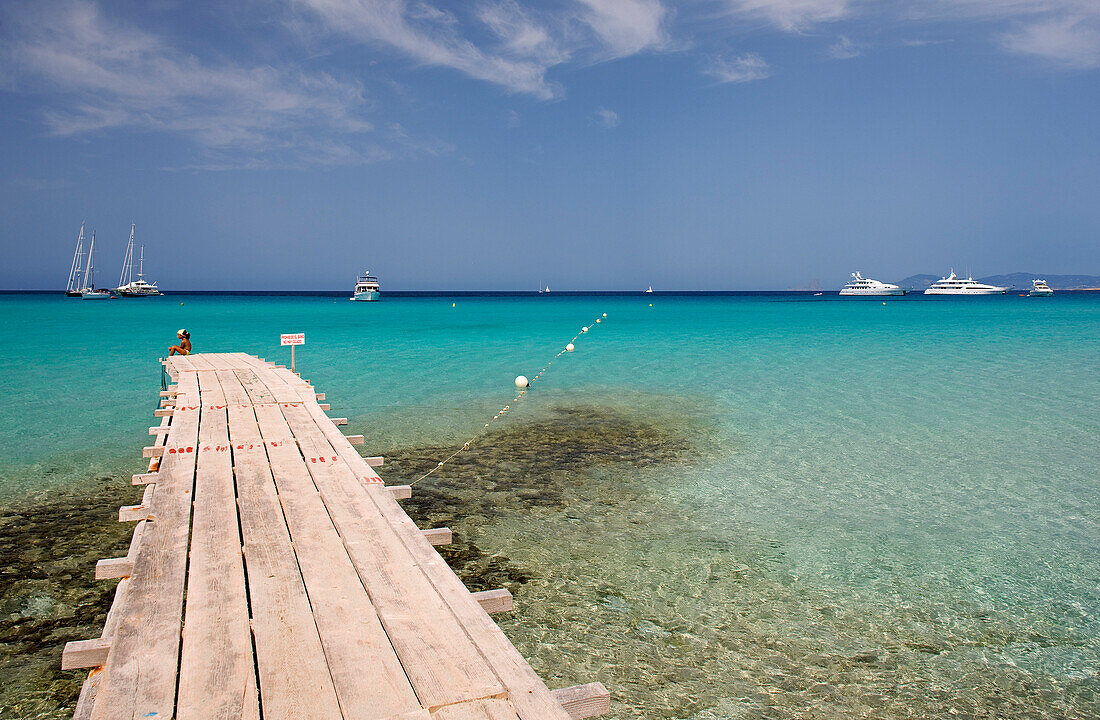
272	575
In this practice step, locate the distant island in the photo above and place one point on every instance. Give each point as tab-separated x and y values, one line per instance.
1014	280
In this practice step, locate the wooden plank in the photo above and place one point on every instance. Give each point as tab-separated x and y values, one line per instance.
217	676
110	568
152	451
257	391
160	429
145	478
529	693
494	601
85	653
400	492
436	536
584	701
339	421
355	439
378	461
180	364
437	655
353	637
141	511
88	691
294	678
526	689
199	362
489	709
141	668
163	412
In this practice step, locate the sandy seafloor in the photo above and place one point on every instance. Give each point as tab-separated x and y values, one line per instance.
720	507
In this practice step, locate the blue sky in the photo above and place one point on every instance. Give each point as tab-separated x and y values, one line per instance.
588	144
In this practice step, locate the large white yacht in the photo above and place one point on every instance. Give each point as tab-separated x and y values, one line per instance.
860	285
1039	288
366	288
954	285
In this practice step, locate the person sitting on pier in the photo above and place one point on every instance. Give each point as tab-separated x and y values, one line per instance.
184	348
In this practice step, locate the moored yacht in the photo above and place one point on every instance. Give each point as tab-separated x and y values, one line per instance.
127	286
1039	288
860	285
75	288
954	285
366	288
88	290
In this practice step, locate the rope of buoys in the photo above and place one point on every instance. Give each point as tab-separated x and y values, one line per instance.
522	386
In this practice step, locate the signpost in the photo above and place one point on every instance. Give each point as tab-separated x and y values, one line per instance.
292	339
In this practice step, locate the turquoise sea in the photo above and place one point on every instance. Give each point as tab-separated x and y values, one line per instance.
762	506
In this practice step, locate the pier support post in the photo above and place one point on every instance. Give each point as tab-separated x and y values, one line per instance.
584	701
494	601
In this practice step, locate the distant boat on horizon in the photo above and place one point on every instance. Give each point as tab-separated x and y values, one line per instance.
1039	288
649	289
367	288
860	285
954	285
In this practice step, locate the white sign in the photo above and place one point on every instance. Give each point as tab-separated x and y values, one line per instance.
293	339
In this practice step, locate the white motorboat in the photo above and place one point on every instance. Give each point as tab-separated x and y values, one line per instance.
860	285
74	287
366	288
127	286
1039	288
88	290
954	285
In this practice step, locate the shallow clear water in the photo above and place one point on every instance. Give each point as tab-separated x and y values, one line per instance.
853	508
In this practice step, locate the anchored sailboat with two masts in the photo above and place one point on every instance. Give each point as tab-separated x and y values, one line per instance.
75	286
127	286
88	289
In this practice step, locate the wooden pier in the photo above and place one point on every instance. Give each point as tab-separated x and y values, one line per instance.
273	575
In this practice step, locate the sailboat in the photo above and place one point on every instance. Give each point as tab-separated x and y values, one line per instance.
87	290
648	289
127	286
547	289
76	271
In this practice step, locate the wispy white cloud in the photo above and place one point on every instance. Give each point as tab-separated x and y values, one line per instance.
432	37
106	75
607	119
1073	41
843	49
791	15
742	69
627	27
526	42
1064	32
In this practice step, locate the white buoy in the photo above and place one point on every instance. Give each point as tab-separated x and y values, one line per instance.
605	314
569	347
521	381
599	320
584	329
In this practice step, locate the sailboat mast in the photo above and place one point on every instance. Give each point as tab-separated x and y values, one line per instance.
127	261
74	271
88	272
141	263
